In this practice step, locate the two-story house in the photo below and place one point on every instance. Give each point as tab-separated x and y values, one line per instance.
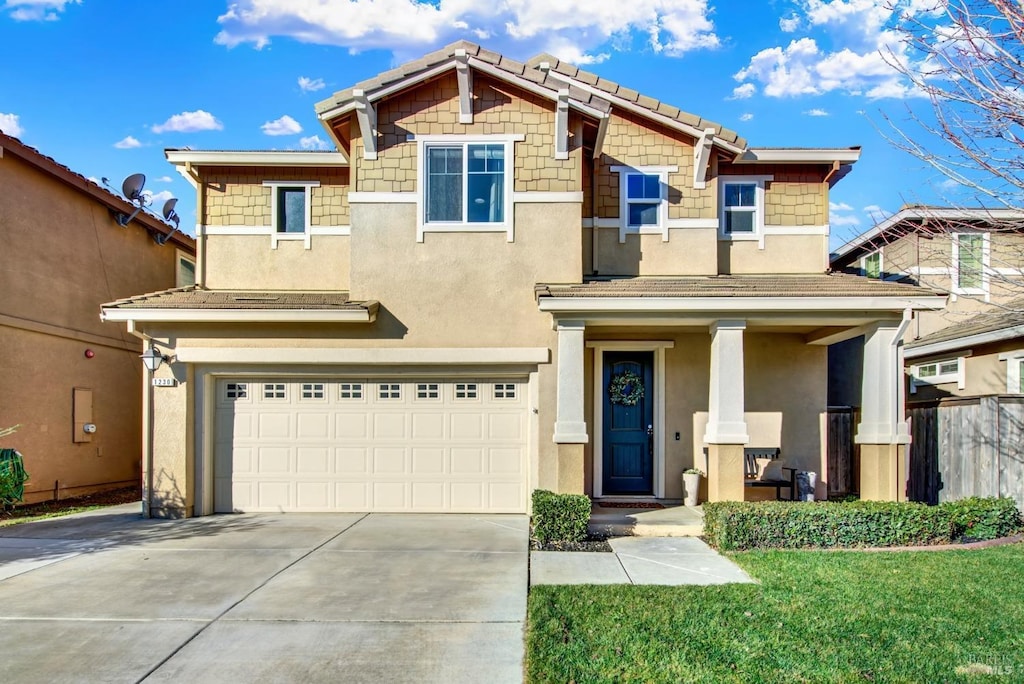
508	276
71	381
971	347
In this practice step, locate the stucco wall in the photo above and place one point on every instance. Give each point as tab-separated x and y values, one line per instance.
247	262
63	256
984	372
689	251
432	108
794	197
236	197
781	254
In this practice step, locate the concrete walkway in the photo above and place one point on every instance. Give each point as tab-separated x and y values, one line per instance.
671	521
264	598
638	560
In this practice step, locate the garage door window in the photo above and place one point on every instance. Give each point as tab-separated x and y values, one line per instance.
275	391
504	391
428	390
389	391
236	390
313	390
465	390
350	390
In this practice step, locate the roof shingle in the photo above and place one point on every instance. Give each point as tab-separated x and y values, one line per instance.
196	298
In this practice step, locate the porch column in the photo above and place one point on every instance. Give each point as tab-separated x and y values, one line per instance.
883	433
570	426
726	432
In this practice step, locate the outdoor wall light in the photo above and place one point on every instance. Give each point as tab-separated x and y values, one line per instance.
152	359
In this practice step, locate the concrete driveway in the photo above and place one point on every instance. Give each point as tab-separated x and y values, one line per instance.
110	596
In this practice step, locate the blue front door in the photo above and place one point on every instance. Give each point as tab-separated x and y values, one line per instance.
628	430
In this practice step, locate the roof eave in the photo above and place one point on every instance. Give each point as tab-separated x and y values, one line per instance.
554	304
958	343
180	157
825	155
366	314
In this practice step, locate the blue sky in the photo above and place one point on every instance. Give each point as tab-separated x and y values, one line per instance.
104	86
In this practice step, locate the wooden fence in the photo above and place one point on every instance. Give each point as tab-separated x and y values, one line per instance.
841	451
967	447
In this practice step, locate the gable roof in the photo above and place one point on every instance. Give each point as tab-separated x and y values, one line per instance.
546	75
919	215
51	167
991	326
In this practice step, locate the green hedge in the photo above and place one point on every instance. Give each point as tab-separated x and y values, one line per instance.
734	526
560	517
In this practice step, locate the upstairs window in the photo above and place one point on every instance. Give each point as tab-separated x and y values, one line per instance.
643	199
291	210
186	274
872	265
465	183
741	215
970	262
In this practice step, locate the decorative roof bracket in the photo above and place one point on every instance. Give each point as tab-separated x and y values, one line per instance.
562	125
366	114
465	76
702	158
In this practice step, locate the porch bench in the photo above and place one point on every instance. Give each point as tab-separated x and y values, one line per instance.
750	456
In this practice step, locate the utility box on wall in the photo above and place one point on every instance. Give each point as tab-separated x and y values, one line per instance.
81	415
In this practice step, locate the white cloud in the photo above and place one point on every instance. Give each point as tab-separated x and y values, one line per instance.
10	124
311	85
164	179
816	112
314	142
190	122
286	125
746	117
570	29
37	10
836	220
789	24
742	92
155	200
839	206
127	143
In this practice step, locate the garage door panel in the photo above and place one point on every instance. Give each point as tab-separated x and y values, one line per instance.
366	445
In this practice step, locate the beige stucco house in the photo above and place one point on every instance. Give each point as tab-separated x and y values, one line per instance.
62	369
972	347
507	276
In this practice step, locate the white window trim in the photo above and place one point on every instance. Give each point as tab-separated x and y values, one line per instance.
1013	360
305	236
881	263
959	377
985	270
661	228
759	208
506	226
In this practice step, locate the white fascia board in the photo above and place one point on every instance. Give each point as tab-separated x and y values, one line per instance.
964	342
557	304
824	155
922	214
265	158
368	356
239	315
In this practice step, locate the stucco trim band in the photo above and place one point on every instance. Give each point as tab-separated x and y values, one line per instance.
744	304
374	356
367	315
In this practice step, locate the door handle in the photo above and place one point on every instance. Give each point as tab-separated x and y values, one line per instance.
650	440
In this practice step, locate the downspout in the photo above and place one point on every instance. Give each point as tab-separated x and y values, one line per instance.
200	233
594	228
901	424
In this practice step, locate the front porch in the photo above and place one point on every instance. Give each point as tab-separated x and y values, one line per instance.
666	375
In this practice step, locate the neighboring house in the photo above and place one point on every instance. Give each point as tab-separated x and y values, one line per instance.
62	254
507	276
976	257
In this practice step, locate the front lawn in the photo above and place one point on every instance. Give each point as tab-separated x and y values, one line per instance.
817	616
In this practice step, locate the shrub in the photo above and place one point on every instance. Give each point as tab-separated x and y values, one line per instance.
560	517
12	477
977	518
734	526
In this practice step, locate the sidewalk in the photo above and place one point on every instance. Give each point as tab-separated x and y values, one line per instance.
638	560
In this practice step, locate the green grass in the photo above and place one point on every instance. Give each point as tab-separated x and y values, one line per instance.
817	616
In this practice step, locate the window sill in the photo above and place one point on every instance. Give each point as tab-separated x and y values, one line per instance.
422	229
738	237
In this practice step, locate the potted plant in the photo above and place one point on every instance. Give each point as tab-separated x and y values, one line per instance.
691	485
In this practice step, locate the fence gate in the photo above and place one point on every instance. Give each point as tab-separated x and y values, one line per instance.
842	473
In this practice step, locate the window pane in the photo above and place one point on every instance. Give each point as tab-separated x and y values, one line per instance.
643	214
291	210
928	371
949	367
970	260
739	222
444	184
643	186
873	265
186	273
486	198
740	194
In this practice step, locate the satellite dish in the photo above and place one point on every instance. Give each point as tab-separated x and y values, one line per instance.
169	213
132	187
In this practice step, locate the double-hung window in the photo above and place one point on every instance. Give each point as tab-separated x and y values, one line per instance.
872	265
467	184
938	373
969	253
643	207
742	207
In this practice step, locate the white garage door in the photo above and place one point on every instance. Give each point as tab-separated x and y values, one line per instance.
371	445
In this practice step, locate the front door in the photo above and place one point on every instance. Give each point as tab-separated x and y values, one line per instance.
628	430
